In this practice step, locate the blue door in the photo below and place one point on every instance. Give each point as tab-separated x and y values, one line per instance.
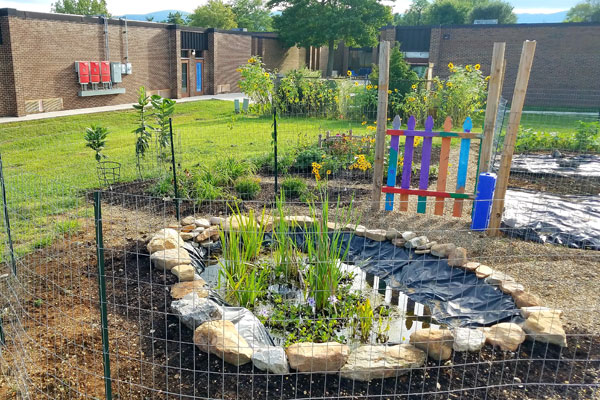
198	76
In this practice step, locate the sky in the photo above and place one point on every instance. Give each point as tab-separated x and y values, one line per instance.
120	7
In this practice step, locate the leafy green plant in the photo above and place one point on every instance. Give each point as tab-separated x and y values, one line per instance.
325	252
257	84
383	325
144	131
243	281
364	317
303	92
587	135
247	187
230	169
285	253
163	109
463	93
68	227
293	187
95	137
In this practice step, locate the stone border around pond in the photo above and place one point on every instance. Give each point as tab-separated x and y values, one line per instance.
369	361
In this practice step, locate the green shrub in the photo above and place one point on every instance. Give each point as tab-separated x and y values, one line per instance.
302	92
587	136
293	187
95	138
227	171
257	84
247	188
306	157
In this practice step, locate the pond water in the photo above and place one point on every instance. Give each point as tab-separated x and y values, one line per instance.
406	316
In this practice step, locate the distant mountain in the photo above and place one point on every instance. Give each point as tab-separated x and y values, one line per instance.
158	15
541	18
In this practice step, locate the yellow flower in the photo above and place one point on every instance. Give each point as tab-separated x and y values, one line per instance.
369	87
389	119
323	156
450	66
395	90
375	86
364	123
469	68
424	98
411	99
349	73
449	84
266	74
414	86
328	172
477	67
251	60
389	92
355	83
487	78
239	70
375	122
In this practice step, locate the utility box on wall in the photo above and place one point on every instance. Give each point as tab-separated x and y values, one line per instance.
115	72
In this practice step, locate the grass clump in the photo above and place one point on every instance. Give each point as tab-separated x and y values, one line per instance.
247	188
293	187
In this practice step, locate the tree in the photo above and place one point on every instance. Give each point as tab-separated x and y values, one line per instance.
252	15
175	18
586	11
318	23
415	15
81	7
499	10
150	19
447	12
401	77
214	14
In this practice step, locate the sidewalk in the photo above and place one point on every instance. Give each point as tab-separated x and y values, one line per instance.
118	107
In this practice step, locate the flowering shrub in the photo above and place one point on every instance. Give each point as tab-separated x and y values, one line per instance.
257	84
302	92
461	95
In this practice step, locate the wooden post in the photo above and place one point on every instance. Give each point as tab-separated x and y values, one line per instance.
429	76
516	108
491	110
382	105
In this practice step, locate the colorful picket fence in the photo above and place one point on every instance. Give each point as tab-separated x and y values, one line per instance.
423	191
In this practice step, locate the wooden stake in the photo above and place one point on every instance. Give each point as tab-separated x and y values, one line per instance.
516	108
382	105
491	110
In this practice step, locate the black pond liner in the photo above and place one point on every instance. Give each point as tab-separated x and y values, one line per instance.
455	296
572	221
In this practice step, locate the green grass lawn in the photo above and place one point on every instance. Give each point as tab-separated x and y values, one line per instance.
47	166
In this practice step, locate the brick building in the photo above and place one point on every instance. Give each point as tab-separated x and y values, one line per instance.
39	51
566	67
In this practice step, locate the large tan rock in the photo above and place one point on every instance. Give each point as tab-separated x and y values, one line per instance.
442	250
211	233
223	340
526	299
483	271
164	239
300	220
507	335
510	287
526	312
545	326
370	362
376	234
167	259
457	257
436	343
471	266
235	222
180	290
317	357
189	220
184	272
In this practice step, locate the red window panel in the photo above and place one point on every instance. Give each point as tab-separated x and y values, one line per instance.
95	71
105	71
84	71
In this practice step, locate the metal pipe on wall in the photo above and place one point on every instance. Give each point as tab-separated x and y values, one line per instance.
106	48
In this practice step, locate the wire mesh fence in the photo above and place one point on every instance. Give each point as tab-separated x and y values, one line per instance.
251	298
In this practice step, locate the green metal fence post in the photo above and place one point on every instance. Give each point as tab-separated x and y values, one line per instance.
7	220
275	145
174	171
102	292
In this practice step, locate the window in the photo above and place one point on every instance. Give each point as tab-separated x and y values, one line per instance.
184	77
